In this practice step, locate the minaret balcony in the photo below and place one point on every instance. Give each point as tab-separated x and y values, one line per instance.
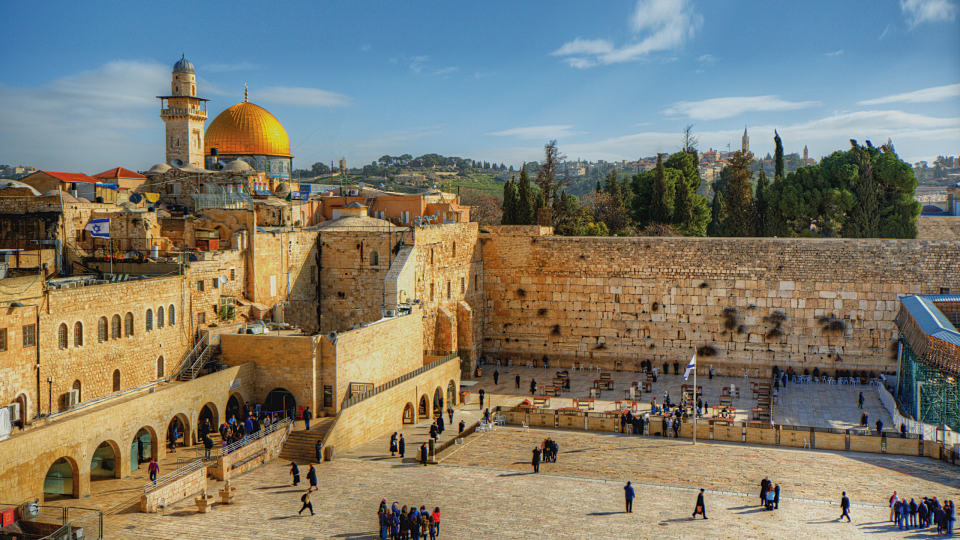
183	112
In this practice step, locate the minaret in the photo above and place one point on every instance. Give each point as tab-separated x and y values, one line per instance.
745	144
185	114
806	155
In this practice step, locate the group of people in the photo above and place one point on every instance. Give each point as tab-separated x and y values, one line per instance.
635	424
769	494
405	523
927	512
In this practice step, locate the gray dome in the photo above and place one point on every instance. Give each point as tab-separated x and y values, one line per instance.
183	66
237	166
159	168
13	184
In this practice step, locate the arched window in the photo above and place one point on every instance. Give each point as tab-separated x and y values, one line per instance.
116	380
374	258
78	334
102	330
160	319
115	327
431	255
454	249
173	315
62	336
160	367
128	325
76	386
149	324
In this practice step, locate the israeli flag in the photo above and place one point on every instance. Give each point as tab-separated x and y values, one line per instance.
99	228
690	367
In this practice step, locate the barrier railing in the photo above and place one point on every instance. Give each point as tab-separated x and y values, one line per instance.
167	478
403	378
914	427
272	428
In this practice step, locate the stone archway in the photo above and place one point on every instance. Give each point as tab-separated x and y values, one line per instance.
423	411
437	401
144	447
62	480
105	461
280	400
182	424
451	393
208	412
408	416
234	408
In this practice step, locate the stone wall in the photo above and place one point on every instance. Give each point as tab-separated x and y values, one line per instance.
18	359
282	362
267	447
631	299
189	484
938	228
26	456
383	413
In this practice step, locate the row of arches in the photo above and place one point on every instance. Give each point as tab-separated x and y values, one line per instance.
424	410
110	330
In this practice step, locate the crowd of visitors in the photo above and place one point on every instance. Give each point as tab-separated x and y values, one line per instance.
403	523
908	514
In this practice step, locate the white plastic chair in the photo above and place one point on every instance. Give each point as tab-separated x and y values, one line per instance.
806	443
525	426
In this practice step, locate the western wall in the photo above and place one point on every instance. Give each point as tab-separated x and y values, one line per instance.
744	304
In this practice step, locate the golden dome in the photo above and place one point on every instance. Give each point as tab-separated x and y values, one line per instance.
247	130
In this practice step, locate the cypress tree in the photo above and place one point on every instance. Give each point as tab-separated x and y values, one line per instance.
716	216
682	203
509	204
740	218
761	203
863	221
525	201
599	189
660	206
777	156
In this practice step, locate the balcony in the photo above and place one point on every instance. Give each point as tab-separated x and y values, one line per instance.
184	112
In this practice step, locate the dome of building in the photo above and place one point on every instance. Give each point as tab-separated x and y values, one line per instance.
183	65
282	190
356	223
15	185
246	130
237	166
159	168
66	197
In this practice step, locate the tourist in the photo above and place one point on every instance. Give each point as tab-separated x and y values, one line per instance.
248	426
404	524
764	486
496	377
450	413
295	473
433	431
949	516
319	450
423	454
440	423
518	381
435	516
938	518
312	478
424	523
768	504
863	419
153	468
845	506
384	519
305	499
463	426
486	416
663	421
676	426
481	398
394	523
536	459
879	426
701	507
923	514
912	513
893	501
307	415
860	400
207	445
401	446
776	496
629	494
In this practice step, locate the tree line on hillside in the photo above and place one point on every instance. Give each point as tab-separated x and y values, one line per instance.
864	192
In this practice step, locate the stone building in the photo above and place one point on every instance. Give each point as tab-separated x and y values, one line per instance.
184	115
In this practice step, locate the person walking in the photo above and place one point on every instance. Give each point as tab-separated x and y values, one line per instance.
533	387
463	426
629	494
435	516
207	445
154	468
393	444
496	377
845	506
307	416
423	454
312	478
481	398
450	413
518	381
440	424
536	459
305	499
295	473
701	507
860	400
893	501
879	426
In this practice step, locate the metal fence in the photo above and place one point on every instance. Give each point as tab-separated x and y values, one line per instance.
57	522
914	428
283	424
167	478
403	378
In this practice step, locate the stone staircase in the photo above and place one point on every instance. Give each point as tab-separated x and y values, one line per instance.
302	445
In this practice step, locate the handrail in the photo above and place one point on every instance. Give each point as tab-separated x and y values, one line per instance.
386	386
175	374
193	368
285	423
167	478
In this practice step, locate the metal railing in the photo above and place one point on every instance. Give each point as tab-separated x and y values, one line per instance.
71	521
401	379
193	361
167	478
190	372
233	447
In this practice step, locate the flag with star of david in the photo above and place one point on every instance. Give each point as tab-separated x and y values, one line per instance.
99	228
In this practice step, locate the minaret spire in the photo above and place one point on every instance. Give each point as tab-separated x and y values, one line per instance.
246	94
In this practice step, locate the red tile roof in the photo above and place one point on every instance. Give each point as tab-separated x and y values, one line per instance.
70	177
120	172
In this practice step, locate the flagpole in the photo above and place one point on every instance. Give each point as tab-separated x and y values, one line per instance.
695	401
110	250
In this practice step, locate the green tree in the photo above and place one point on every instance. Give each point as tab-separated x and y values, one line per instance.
812	201
760	201
660	211
863	220
740	218
777	156
509	204
717	216
525	200
682	205
599	189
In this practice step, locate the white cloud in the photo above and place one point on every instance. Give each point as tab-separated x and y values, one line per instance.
365	47
446	71
664	25
218	68
707	59
834	53
921	11
886	32
537	132
302	97
717	108
927	95
417	62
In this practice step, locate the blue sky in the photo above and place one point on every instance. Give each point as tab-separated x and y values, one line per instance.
486	80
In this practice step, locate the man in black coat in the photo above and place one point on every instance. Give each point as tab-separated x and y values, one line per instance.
776	496
423	454
518	381
701	508
923	511
481	398
401	446
536	460
764	486
440	423
845	506
879	426
496	377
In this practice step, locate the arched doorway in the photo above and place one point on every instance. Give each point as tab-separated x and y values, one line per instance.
22	400
105	461
424	409
61	481
451	394
408	414
281	401
208	412
143	448
437	401
182	438
234	409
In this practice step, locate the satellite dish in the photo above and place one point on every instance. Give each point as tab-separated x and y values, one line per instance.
332	336
135	198
223	279
176	163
